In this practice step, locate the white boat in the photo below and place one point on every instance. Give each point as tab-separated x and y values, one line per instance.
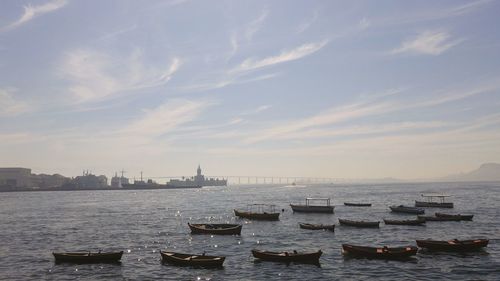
311	206
431	203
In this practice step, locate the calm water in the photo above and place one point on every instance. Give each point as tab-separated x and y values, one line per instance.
142	222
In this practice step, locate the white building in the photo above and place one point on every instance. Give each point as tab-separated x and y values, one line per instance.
15	177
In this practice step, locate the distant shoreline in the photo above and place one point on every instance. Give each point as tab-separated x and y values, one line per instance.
3	189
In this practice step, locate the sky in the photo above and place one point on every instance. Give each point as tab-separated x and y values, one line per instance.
340	89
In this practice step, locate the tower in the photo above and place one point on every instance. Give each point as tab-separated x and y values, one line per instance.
198	171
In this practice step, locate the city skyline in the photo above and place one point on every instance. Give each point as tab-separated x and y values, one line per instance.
319	89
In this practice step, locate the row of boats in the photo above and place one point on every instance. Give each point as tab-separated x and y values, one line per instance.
268	212
204	260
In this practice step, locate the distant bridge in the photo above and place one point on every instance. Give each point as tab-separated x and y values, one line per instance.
262	179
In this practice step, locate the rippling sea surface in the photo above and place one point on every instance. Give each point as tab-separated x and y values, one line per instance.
33	224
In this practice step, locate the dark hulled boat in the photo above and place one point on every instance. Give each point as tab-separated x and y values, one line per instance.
259	212
379	252
405	222
294	256
216	228
192	260
407	209
431	218
453	245
359	223
459	216
88	257
357	204
317	226
257	216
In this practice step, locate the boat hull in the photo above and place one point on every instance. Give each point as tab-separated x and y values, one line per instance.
257	216
368	224
429	218
312	209
407	210
192	260
379	253
88	257
453	245
218	229
309	226
433	204
461	217
357	204
405	222
288	256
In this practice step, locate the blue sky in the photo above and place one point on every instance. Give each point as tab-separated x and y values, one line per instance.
344	89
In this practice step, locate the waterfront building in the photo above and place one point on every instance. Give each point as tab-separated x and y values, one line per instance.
118	182
89	181
15	177
198	180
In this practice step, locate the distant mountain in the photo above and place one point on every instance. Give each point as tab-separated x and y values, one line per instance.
486	172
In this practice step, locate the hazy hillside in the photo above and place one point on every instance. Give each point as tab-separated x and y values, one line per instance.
486	172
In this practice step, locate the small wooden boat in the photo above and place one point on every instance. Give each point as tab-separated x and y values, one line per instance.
407	209
431	218
461	217
294	256
317	226
453	245
192	260
259	212
216	228
431	203
379	252
357	204
359	223
88	257
405	222
310	207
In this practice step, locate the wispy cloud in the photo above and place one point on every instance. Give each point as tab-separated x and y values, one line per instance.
308	22
31	11
226	80
364	23
9	105
284	56
166	117
329	117
255	25
428	43
95	76
371	106
246	33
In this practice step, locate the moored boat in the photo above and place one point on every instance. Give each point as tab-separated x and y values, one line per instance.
258	212
216	228
405	222
358	204
431	203
454	245
359	223
379	252
461	217
88	257
294	256
192	260
407	209
431	218
310	207
317	226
